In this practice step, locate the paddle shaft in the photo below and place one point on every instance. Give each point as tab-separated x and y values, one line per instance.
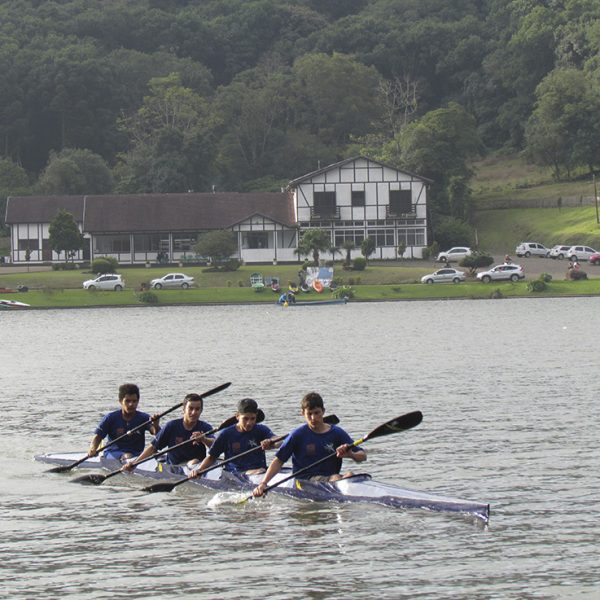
144	424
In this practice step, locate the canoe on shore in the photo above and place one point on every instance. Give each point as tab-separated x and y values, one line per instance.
12	304
316	302
359	488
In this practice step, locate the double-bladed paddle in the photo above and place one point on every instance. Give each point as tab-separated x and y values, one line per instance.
98	478
168	487
65	468
402	423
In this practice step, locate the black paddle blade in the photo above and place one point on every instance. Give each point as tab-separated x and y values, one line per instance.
331	419
216	390
92	479
407	421
159	487
60	469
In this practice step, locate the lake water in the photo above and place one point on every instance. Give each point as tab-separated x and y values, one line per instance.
509	394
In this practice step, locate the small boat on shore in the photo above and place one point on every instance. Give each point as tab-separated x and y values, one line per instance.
359	488
12	304
314	302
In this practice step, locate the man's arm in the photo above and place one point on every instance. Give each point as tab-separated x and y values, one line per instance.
273	469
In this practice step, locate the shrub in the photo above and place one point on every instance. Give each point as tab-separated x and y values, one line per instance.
475	261
546	277
148	297
426	253
344	291
434	248
105	264
233	264
359	263
496	294
537	285
240	283
229	283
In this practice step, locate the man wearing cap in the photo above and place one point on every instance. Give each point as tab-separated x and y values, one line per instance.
245	435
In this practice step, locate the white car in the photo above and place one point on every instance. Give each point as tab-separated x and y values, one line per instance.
559	251
455	254
172	280
447	274
528	249
580	253
108	281
510	272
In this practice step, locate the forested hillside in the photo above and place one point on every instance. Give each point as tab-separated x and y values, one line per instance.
175	95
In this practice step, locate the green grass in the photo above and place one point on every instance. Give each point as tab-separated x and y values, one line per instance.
501	230
408	291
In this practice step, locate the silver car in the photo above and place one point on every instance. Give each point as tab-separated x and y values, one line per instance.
580	253
502	272
108	281
528	249
445	275
455	254
172	280
559	251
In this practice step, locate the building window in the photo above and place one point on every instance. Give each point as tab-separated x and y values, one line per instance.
146	242
111	244
325	204
30	244
353	235
254	240
411	237
401	202
358	197
184	242
381	237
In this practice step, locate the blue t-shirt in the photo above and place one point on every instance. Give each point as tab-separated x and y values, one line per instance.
306	447
114	425
174	433
232	442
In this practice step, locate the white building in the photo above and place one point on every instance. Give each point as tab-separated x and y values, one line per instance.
358	198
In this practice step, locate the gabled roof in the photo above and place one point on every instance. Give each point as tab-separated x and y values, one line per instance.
41	209
337	165
155	212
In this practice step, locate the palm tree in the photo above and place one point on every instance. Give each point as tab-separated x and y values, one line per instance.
348	246
313	242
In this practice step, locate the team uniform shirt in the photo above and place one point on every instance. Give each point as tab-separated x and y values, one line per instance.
174	433
232	442
306	447
114	425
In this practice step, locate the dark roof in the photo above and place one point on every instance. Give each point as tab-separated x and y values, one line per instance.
336	165
41	209
159	212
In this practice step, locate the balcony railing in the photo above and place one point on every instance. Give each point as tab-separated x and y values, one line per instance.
321	213
391	212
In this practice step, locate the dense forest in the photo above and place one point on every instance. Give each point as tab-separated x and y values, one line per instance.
175	95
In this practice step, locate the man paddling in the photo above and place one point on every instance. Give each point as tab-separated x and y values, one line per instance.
118	422
313	441
177	431
245	435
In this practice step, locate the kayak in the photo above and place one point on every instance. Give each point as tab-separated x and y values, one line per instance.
317	302
12	304
359	488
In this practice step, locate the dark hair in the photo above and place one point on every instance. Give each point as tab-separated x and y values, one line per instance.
247	405
128	389
193	398
312	400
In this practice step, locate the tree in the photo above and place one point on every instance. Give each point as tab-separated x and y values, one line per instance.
76	171
367	247
13	181
217	245
313	242
348	246
64	234
476	261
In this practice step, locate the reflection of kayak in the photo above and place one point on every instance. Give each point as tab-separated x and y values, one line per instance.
320	302
8	304
317	286
359	488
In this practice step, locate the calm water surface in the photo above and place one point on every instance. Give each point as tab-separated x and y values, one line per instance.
508	390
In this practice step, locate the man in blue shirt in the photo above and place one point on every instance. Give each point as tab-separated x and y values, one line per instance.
119	422
179	430
245	435
311	442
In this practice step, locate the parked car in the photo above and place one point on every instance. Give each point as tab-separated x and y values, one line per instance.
528	249
108	281
510	272
559	251
455	254
446	274
172	280
595	259
580	253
